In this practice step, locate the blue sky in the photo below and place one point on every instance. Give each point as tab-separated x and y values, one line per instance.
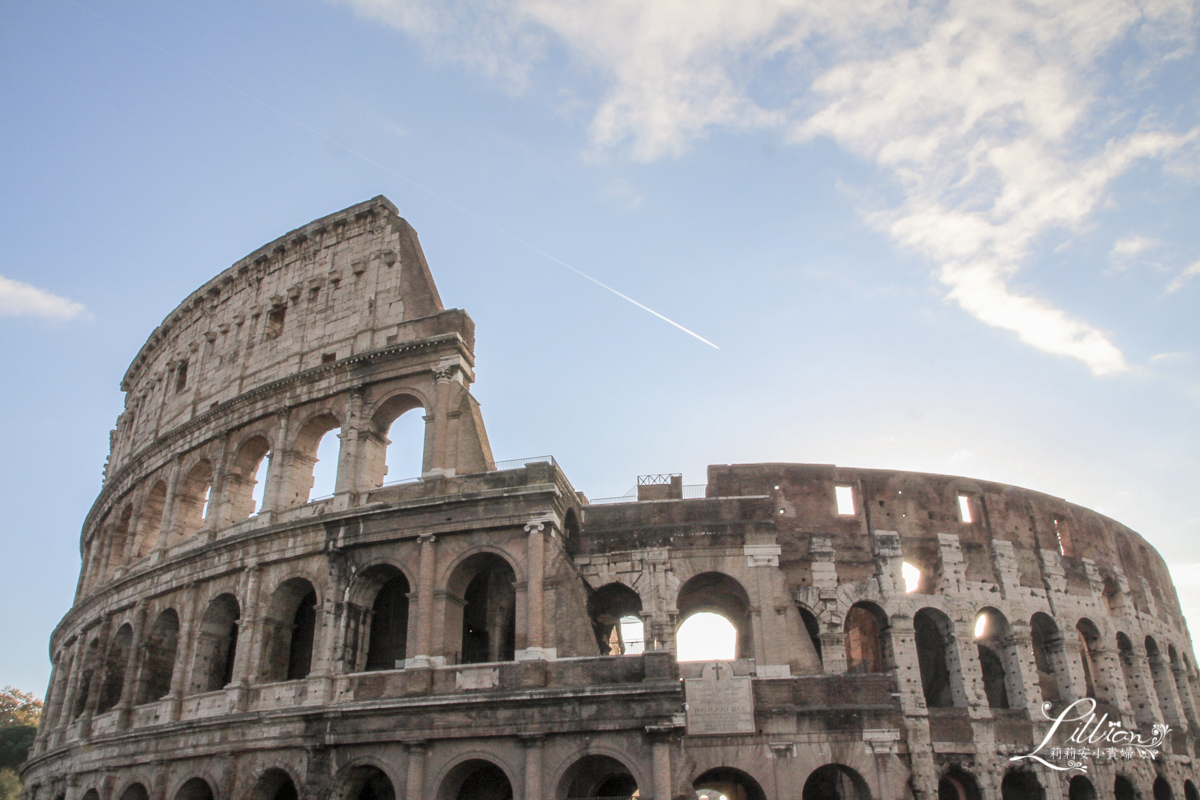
955	237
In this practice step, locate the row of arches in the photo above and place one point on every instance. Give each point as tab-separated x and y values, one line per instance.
211	492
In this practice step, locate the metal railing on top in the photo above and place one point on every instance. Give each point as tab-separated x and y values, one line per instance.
517	463
691	491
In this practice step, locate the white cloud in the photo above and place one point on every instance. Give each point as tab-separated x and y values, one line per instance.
1130	246
986	114
20	299
1184	276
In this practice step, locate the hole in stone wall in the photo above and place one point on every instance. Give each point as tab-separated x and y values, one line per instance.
964	508
181	375
912	577
275	318
406	448
325	469
845	500
706	636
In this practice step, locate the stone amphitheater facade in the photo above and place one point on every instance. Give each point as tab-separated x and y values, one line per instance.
457	636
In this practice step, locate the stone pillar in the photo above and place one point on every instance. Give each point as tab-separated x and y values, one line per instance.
1109	679
277	471
166	529
249	648
1146	707
1184	689
444	376
661	750
70	692
353	440
93	688
181	671
423	657
962	648
536	608
1022	642
133	665
414	788
533	767
1164	687
53	693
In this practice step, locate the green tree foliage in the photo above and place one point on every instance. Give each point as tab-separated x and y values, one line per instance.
19	715
10	785
19	708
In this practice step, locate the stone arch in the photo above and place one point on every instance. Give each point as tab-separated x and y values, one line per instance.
475	778
958	784
158	662
1139	691
1162	789
1047	652
192	499
596	775
134	791
606	607
89	665
729	781
240	478
120	538
364	780
937	658
481	605
868	645
1160	673
274	784
302	457
91	794
1021	785
999	660
195	789
384	590
1089	638
1081	788
718	593
376	470
1189	790
835	782
150	520
289	631
1123	788
115	662
812	628
216	644
570	525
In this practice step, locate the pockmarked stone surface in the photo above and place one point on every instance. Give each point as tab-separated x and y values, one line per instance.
446	624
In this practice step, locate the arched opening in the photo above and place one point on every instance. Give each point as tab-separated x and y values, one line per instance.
394	449
1189	791
915	579
158	665
275	784
705	636
720	595
999	660
387	638
120	539
1163	680
958	785
289	630
1123	788
312	463
1020	785
150	520
1135	686
242	481
598	776
570	525
934	635
1047	646
835	782
1178	668
91	794
90	659
868	646
481	608
216	645
1085	629
114	669
1162	789
195	789
191	500
813	629
727	783
608	607
368	783
1080	788
476	779
135	791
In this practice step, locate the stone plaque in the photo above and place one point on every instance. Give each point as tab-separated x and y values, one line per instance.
718	702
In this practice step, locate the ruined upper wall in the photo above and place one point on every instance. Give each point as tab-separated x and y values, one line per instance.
344	284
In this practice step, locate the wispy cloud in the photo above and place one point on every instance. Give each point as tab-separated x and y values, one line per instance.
1130	246
995	119
1183	277
20	299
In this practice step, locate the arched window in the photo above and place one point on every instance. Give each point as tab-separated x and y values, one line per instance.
476	779
242	480
934	635
368	783
1019	785
705	636
1080	788
728	782
135	791
1123	789
608	607
158	666
481	608
835	782
315	449
1189	791
192	500
91	658
150	520
216	645
275	784
958	785
597	776
1047	649
195	789
813	629
388	637
720	595
289	630
114	669
395	447
999	660
868	647
1162	789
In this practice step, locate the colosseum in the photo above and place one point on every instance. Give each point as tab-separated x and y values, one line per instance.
486	631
